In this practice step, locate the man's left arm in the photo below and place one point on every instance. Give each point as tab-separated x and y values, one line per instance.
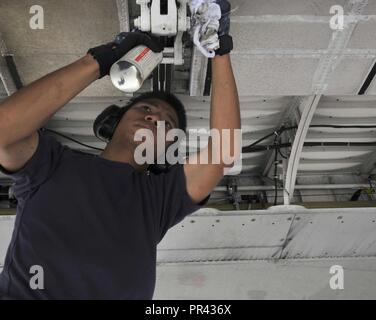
201	178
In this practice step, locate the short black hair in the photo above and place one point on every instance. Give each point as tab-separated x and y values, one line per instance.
170	98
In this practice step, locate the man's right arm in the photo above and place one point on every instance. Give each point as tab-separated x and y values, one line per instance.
27	110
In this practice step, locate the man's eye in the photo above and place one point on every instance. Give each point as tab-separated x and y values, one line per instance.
147	108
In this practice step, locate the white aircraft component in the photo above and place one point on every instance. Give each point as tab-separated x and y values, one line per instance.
174	23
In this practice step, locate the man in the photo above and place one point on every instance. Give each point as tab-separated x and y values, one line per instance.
87	226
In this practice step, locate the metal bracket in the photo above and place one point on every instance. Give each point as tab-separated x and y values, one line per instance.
6	77
173	22
143	22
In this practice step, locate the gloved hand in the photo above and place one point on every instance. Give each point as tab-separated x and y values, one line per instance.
225	40
107	54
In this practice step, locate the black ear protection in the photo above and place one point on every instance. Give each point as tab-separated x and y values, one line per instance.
105	125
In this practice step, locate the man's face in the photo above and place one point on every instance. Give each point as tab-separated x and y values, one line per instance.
145	115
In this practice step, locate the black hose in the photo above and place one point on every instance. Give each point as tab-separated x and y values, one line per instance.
69	138
254	148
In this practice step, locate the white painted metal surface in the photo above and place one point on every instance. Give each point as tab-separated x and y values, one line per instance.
299	279
279	232
324	238
225	236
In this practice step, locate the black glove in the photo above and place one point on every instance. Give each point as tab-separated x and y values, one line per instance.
225	40
107	54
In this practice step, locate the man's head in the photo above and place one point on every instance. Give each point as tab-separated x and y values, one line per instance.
169	99
143	112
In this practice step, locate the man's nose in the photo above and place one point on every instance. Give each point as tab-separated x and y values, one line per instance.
153	118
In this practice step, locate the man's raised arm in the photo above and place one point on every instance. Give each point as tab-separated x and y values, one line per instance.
22	114
30	108
201	178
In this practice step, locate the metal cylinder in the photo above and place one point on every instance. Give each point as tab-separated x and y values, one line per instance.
129	73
